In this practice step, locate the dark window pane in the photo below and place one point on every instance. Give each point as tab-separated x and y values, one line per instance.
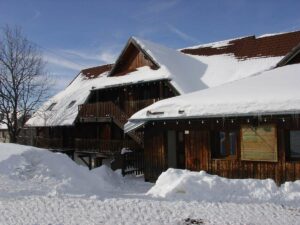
295	143
232	144
222	143
71	104
51	106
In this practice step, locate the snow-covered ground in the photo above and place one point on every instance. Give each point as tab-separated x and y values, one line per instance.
40	187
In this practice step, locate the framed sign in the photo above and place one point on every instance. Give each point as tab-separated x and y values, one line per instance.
259	143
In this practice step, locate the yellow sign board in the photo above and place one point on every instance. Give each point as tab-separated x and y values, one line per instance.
259	143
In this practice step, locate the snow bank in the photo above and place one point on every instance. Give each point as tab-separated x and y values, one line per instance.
53	173
187	185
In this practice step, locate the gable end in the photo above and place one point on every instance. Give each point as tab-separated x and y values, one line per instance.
131	58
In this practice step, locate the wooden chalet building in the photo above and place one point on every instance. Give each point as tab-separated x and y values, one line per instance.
90	114
248	128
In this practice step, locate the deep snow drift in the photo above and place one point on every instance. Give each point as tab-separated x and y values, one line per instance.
26	170
38	171
187	185
40	187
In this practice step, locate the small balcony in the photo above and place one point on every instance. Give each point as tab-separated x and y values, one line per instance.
49	143
108	147
106	111
101	112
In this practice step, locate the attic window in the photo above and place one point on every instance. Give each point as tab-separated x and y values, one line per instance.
51	106
71	104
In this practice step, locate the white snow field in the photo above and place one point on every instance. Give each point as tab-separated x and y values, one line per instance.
40	187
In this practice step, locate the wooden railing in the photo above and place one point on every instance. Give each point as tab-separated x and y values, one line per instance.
103	109
104	146
111	110
106	109
133	163
43	142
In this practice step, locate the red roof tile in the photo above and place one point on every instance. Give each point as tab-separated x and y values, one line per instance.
94	72
247	47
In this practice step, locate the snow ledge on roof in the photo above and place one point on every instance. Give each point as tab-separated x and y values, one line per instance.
271	92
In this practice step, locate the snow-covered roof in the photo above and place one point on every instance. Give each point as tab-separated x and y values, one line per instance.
62	113
216	44
271	92
183	71
249	47
186	72
59	110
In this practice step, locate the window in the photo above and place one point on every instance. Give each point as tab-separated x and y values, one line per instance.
71	104
51	106
224	144
294	148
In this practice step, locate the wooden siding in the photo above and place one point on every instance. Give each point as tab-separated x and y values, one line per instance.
124	96
198	151
131	59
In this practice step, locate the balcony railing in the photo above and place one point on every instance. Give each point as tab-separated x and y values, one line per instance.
54	143
110	109
102	110
103	146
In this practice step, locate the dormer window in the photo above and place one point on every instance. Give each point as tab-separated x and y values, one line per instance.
51	106
71	104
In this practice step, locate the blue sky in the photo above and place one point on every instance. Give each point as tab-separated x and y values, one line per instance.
77	34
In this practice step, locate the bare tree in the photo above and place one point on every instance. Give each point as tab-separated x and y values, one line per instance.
23	81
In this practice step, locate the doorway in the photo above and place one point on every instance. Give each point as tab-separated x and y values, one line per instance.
176	149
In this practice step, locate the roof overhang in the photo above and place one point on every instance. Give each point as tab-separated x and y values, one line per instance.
134	124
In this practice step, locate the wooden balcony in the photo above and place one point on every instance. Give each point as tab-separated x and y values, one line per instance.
104	111
50	143
104	146
109	111
101	112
